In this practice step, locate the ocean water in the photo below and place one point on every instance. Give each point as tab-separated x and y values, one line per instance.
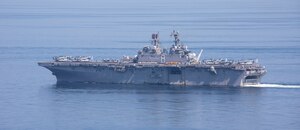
35	30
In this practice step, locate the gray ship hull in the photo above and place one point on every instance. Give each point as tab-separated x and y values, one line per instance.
149	74
156	65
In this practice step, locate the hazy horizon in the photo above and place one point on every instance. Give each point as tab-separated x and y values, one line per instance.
118	24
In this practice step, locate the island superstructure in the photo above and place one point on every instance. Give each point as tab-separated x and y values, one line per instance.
156	65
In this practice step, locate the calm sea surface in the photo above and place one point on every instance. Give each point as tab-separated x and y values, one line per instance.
36	30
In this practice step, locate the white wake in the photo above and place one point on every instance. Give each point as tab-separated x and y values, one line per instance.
273	86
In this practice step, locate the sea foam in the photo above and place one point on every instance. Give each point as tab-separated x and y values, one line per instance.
273	86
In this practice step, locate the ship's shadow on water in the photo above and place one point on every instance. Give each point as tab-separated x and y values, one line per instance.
150	88
133	86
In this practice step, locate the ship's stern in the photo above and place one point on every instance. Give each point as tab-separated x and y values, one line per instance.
253	75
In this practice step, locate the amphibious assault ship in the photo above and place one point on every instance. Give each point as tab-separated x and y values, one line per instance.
156	65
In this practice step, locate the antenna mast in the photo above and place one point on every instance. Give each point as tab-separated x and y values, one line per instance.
175	34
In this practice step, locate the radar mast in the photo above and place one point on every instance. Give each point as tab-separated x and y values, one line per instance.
155	40
175	34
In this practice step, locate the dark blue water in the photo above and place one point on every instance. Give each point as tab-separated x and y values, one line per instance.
34	30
